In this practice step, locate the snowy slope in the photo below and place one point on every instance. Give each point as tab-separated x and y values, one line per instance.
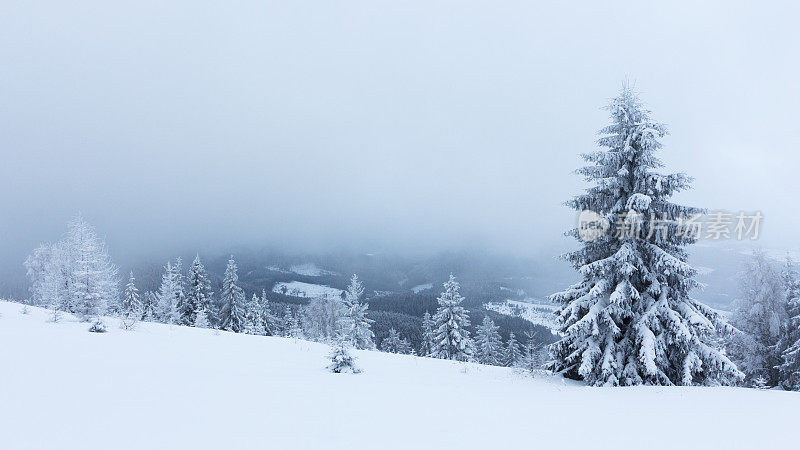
163	386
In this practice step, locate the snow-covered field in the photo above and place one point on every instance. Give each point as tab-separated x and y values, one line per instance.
305	290
305	269
162	386
536	313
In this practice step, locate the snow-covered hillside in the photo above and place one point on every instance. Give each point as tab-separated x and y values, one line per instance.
163	386
306	290
536	313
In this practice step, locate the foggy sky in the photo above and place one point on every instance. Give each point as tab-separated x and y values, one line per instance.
386	124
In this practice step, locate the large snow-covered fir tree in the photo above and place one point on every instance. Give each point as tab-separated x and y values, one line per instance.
356	327
790	340
131	305
759	314
630	319
232	311
488	344
451	320
198	294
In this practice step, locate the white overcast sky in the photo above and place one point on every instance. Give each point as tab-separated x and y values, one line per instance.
187	124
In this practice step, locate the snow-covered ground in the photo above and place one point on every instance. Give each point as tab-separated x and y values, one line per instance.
305	290
162	386
536	313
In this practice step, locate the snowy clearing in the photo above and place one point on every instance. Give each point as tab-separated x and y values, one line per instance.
305	290
305	269
163	386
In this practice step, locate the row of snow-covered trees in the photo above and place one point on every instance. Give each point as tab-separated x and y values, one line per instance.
76	275
766	345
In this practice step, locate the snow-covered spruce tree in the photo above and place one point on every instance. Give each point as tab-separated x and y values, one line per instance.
180	293
488	344
94	280
529	361
232	312
759	314
512	353
293	328
198	293
168	295
630	319
341	360
149	306
393	343
790	339
451	339
131	305
254	322
356	326
428	335
201	318
269	320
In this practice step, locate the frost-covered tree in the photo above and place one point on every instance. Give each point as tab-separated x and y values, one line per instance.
149	306
356	327
201	318
324	318
790	345
74	274
488	344
759	314
232	312
270	322
292	328
393	343
428	335
46	269
94	281
630	319
529	361
511	353
180	295
451	338
169	293
254	320
131	305
198	293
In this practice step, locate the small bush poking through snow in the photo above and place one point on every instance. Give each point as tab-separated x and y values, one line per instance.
341	360
98	326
